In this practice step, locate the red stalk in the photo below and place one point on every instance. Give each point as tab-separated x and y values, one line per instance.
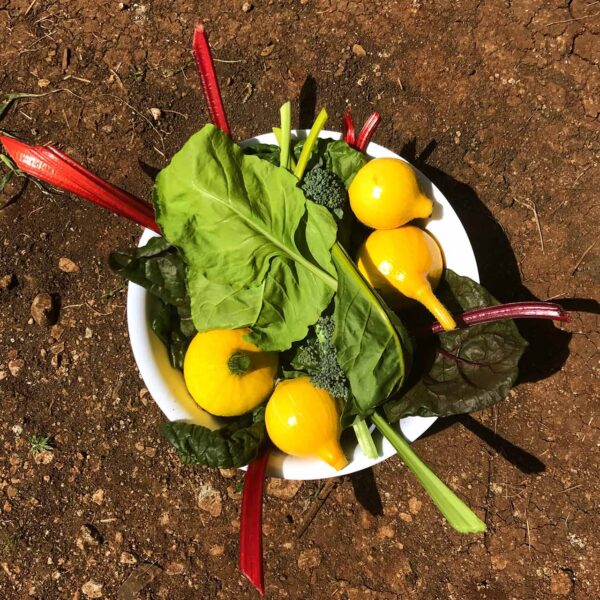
208	77
489	314
368	131
52	166
251	551
348	134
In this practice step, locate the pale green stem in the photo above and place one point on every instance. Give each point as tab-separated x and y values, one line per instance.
285	113
310	142
363	436
277	132
458	514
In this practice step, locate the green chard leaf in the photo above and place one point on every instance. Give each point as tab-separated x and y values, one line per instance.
372	345
268	152
344	160
336	156
234	445
257	252
159	268
475	367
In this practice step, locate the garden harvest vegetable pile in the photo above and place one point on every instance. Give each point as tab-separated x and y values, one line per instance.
258	299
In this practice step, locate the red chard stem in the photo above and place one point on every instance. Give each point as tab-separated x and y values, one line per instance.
208	78
368	131
251	552
348	134
514	310
50	165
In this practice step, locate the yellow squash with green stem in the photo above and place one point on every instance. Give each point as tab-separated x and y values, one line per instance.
405	263
227	375
303	420
385	194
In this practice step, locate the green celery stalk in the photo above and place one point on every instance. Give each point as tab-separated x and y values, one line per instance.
277	132
458	514
310	142
363	436
285	113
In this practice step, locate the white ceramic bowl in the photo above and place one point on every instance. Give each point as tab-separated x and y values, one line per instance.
166	384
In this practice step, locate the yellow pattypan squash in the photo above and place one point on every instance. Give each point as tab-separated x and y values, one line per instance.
405	263
385	194
227	375
303	420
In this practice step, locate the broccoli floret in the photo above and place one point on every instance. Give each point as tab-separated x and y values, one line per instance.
325	188
317	355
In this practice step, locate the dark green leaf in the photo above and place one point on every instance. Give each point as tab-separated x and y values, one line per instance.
373	347
172	328
160	269
476	366
268	152
234	445
344	161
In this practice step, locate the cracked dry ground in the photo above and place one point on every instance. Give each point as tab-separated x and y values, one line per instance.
498	102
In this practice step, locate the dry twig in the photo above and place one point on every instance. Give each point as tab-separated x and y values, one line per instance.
530	204
316	506
585	253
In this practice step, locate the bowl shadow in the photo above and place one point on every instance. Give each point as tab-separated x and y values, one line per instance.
499	271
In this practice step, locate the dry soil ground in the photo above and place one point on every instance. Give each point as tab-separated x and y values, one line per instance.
498	102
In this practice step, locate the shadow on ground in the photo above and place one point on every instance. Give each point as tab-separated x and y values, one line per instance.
548	345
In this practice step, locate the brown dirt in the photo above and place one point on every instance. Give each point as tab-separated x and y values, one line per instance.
497	102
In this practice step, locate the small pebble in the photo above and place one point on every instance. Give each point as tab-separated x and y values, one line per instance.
247	7
67	265
358	50
209	500
98	496
175	568
561	584
309	559
92	589
90	535
16	366
127	558
414	505
7	282
285	489
156	113
43	310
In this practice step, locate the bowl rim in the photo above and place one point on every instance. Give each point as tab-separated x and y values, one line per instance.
172	397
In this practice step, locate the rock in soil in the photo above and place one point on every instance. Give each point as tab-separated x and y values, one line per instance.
7	282
44	457
16	366
127	558
92	589
358	50
66	265
285	489
209	500
309	559
561	584
44	310
90	535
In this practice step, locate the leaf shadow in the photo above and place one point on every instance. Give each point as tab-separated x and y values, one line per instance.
308	103
25	181
149	170
498	267
522	459
366	492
